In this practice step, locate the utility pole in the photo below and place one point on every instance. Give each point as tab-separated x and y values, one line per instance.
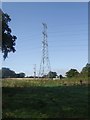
34	70
45	63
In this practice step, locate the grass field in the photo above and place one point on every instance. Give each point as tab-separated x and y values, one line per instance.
45	99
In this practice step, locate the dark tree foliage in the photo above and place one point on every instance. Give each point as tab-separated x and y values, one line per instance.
8	40
7	73
52	74
60	76
72	73
86	70
20	75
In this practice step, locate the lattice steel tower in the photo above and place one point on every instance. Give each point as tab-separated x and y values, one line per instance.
45	63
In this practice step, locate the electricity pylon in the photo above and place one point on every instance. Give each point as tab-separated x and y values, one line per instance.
45	63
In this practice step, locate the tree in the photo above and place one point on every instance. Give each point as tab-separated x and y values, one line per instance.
60	76
52	74
8	40
72	73
86	70
7	73
21	75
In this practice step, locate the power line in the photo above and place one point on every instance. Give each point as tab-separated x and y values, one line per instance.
61	33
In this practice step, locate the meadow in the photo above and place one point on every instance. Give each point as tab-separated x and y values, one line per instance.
26	98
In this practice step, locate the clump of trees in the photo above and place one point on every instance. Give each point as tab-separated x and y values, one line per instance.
72	73
85	72
52	74
7	73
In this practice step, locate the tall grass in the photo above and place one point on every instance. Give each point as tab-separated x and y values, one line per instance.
41	82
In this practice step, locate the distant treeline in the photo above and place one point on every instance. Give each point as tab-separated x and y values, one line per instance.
7	73
85	72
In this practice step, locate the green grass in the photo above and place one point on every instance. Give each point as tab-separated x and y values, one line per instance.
44	99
